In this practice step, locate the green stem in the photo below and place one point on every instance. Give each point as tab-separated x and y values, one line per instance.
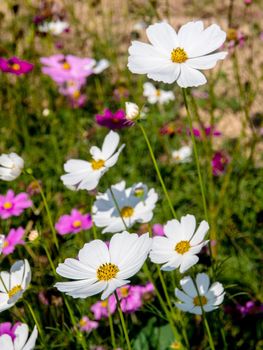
118	208
51	225
35	319
113	341
125	331
157	169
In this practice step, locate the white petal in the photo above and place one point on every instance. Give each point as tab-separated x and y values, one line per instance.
174	230
188	222
200	233
208	308
173	263
113	160
206	62
94	254
75	269
163	36
184	307
96	153
167	74
21	333
6	342
188	286
188	34
74	165
183	297
190	77
196	310
188	261
32	340
110	144
203	282
81	289
112	286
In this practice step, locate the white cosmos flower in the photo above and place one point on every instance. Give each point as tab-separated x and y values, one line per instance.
132	110
178	56
100	268
11	166
100	66
135	204
55	28
179	246
21	341
84	175
182	155
210	297
157	95
14	283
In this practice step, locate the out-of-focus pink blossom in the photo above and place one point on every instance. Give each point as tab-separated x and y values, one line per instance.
15	66
13	238
13	205
209	131
158	230
250	308
113	120
73	223
102	308
87	325
219	163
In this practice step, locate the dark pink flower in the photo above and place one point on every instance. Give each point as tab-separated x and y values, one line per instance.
87	325
12	205
13	238
219	163
102	308
73	223
15	66
209	131
7	328
158	230
251	307
113	120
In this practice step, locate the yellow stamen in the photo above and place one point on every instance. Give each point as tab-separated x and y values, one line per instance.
82	322
15	66
77	223
14	290
104	303
158	93
179	55
97	164
76	94
182	247
127	212
231	34
124	291
6	244
203	300
107	271
7	205
66	66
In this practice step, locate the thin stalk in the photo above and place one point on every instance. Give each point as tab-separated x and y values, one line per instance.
125	331
51	225
210	338
35	319
157	169
118	208
113	341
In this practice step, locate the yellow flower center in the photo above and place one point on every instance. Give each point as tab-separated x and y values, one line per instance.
107	271
15	66
7	205
231	34
14	290
6	244
203	300
97	164
76	224
127	212
179	55
124	291
76	94
182	247
158	93
82	322
66	66
175	345
104	303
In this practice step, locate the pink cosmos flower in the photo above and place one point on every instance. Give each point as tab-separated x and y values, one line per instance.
113	120
73	223
87	325
15	66
158	230
12	205
66	68
77	100
209	131
13	238
7	328
102	308
219	163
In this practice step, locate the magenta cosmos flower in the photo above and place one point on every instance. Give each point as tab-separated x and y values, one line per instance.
13	205
87	325
102	308
66	68
219	163
73	223
15	66
113	120
13	238
208	131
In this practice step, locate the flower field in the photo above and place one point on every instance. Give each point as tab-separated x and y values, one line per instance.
131	194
